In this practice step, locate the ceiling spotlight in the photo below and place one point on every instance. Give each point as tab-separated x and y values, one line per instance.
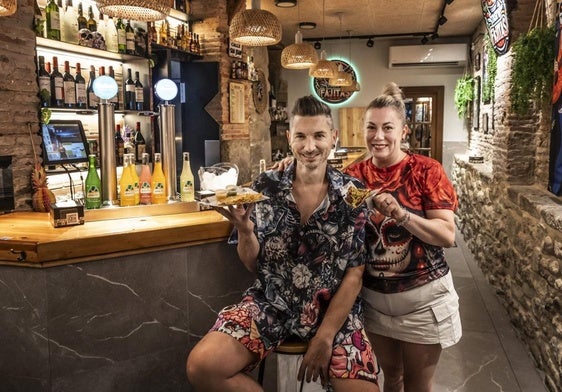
424	40
307	25
449	2
317	45
370	43
442	20
435	35
285	3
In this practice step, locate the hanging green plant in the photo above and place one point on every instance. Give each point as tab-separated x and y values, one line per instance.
464	94
531	76
491	71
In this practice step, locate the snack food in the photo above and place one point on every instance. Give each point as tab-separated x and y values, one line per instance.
243	198
355	196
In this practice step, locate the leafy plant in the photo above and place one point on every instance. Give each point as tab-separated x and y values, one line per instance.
532	75
464	94
491	70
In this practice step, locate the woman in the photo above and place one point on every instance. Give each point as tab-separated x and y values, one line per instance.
411	307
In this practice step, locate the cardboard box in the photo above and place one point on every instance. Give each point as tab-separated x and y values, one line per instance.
68	213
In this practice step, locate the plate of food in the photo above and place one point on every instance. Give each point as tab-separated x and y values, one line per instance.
233	196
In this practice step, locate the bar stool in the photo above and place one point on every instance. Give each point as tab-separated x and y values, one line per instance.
291	346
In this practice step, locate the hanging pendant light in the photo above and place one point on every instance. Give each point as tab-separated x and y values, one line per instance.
8	7
342	78
141	10
299	55
353	86
255	27
324	68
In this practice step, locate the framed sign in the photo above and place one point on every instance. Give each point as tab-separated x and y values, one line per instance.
237	115
258	92
234	50
334	94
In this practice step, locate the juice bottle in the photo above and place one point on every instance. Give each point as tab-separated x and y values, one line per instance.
145	181
158	181
126	184
133	169
93	185
187	190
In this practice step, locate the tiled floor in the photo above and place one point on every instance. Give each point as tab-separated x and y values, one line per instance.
489	356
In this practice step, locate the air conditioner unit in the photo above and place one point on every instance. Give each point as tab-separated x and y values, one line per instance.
443	55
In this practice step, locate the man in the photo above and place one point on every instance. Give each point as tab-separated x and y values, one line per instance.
306	247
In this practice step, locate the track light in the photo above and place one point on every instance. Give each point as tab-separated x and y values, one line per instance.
285	3
424	40
307	25
434	36
317	45
442	20
370	43
449	2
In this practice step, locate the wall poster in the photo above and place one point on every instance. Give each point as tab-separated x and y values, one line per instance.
237	115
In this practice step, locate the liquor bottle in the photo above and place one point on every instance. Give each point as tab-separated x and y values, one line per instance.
193	43
134	174
180	5
69	87
44	80
80	84
129	38
187	185
130	103
91	24
158	182
39	20
140	143
81	19
115	99
111	41
92	197
57	86
139	95
53	20
93	100
69	23
121	36
119	146
163	34
126	184
145	180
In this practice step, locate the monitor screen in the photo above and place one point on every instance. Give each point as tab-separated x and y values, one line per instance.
64	141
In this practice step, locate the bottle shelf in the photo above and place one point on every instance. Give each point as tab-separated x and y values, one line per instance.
59	47
91	112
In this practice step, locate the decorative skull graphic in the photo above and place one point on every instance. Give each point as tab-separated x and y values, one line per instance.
390	245
85	38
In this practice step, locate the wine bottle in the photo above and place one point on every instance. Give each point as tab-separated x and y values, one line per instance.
145	180
119	146
187	187
69	23
158	183
53	20
111	36
140	143
121	36
57	86
130	103
93	185
80	84
93	100
44	80
139	93
69	84
91	23
129	38
81	20
115	99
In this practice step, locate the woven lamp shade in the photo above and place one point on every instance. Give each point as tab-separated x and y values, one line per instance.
323	68
8	7
299	55
255	27
351	88
141	10
342	79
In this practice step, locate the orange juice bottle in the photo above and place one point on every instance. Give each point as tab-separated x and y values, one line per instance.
126	184
145	181
133	169
158	181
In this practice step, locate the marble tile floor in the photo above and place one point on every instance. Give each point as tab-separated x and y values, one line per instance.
489	357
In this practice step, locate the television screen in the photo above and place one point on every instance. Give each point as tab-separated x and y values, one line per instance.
64	141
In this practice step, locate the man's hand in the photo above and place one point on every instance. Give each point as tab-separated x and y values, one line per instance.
316	361
239	216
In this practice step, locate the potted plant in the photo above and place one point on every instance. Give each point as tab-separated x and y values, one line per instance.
464	94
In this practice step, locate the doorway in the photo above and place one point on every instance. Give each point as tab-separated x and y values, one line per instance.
424	116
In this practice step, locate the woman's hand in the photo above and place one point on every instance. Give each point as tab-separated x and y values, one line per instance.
387	205
282	164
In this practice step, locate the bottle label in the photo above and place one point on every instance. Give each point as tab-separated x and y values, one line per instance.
139	94
130	41
145	188
59	88
129	191
130	88
158	188
141	149
94	100
81	94
69	92
187	187
55	20
121	37
93	193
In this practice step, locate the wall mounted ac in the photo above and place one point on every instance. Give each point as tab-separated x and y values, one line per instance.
443	55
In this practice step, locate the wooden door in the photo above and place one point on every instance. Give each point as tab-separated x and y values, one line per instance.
424	116
351	127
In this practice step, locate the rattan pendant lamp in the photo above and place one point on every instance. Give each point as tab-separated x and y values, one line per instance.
141	10
323	68
342	78
354	86
8	7
255	27
299	55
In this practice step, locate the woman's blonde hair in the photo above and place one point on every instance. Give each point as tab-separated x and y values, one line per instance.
393	97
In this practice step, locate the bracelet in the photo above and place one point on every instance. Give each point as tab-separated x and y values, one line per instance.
405	219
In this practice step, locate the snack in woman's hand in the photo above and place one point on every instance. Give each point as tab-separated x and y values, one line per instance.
355	196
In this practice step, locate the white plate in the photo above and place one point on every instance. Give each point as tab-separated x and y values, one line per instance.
211	201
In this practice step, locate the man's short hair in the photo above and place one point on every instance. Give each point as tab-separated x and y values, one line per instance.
308	106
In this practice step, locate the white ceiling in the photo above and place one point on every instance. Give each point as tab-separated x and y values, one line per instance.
377	17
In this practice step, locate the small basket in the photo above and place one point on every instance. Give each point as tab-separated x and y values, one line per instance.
218	176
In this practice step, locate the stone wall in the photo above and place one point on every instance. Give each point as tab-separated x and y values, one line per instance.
511	223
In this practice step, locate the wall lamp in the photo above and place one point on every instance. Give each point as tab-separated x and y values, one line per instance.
307	25
424	40
442	20
370	43
317	45
285	3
